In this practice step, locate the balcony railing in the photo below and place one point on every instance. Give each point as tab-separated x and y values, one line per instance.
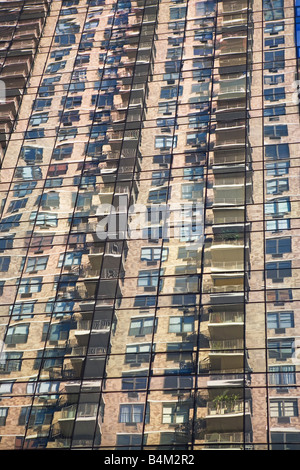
228	438
228	345
228	407
226	317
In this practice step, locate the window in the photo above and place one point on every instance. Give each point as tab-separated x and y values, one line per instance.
31	155
40	103
70	259
272	28
148	278
68	117
160	177
34	416
273	10
30	285
165	142
278	225
278	320
56	332
154	254
283	408
48	358
56	66
279	206
65	134
176	25
9	222
64	151
11	362
277	151
285	440
274	42
167	108
185	283
145	301
282	375
279	296
274	94
134	381
35	134
67	26
205	8
37	263
60	53
4	263
142	326
162	159
6	243
38	119
91	24
157	196
281	349
192	191
181	324
274	60
44	219
138	353
38	242
3	415
42	387
199	121
49	200
17	334
278	168
196	139
82	59
129	441
131	413
273	79
173	41
59	308
76	87
170	92
26	173
179	352
278	246
278	270
174	413
176	13
274	111
69	11
22	310
174	54
177	382
276	131
71	101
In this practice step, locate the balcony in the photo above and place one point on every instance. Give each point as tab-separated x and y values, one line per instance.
231	414
229	288
230	138
95	256
230	380
227	325
84	416
230	440
227	354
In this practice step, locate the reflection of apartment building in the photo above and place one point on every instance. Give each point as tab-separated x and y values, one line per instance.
178	119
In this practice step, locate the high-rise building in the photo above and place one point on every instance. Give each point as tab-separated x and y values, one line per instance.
149	230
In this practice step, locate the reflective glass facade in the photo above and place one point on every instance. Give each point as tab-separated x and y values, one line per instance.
149	230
